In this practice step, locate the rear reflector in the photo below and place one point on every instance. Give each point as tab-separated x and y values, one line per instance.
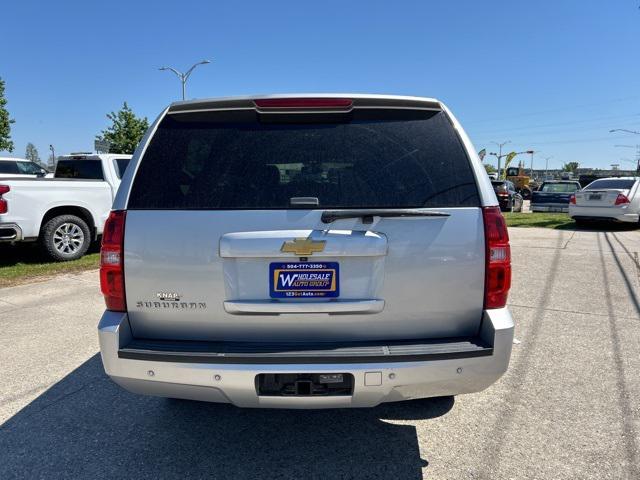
498	259
4	206
622	199
304	103
112	262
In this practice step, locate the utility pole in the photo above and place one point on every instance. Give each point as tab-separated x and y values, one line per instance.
185	76
499	156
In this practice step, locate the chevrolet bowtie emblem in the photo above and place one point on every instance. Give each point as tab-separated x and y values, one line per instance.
303	247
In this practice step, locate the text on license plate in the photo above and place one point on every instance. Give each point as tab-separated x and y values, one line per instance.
595	196
304	279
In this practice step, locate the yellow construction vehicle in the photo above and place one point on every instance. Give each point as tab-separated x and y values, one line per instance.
523	183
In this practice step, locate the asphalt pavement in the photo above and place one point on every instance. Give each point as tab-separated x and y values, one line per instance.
567	408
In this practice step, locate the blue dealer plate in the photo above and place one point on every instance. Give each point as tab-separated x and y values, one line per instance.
304	280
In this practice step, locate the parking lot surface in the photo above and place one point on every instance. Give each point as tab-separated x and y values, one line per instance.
569	406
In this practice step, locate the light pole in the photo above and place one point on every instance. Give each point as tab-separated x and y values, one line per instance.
624	130
499	156
185	76
546	165
53	156
531	152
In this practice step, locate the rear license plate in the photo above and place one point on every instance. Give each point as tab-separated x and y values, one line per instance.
595	196
304	279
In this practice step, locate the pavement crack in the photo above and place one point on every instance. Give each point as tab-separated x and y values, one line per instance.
55	402
564	247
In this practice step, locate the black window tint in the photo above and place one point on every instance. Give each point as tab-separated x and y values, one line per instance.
619	183
372	159
29	168
9	167
121	165
85	169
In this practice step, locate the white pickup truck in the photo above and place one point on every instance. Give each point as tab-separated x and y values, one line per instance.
64	213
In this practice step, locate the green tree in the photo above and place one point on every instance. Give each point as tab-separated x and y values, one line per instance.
570	167
31	153
489	168
5	122
125	132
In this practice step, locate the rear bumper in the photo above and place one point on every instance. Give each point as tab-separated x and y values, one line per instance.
376	381
618	214
550	207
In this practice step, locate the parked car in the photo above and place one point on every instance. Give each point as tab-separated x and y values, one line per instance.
305	252
614	199
554	196
65	213
508	198
21	168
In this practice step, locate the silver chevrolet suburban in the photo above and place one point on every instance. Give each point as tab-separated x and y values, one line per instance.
305	251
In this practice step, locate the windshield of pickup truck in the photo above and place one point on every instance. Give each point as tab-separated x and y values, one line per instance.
568	187
611	183
83	169
377	159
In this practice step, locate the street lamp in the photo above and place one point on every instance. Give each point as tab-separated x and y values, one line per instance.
624	130
184	76
499	156
546	165
53	156
531	152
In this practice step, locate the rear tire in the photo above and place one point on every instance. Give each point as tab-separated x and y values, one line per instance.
65	238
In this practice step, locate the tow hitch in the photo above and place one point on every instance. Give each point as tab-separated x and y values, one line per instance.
304	384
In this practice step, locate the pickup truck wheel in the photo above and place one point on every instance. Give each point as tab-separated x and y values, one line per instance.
66	237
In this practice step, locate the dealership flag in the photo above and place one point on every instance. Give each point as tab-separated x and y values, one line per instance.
482	153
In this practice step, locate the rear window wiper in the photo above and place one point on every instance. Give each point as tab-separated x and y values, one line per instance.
367	215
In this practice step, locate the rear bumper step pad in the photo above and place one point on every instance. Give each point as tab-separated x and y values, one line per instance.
281	353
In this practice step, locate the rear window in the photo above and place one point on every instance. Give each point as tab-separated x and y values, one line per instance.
85	169
559	187
9	167
370	159
121	165
607	183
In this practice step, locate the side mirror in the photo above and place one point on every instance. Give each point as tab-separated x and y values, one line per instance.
41	173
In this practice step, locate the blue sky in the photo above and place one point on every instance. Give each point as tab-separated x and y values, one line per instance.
554	76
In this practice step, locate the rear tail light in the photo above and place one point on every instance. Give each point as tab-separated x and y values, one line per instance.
622	199
112	262
4	206
304	103
572	199
498	259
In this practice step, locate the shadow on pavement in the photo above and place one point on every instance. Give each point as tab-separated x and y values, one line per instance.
86	426
29	253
